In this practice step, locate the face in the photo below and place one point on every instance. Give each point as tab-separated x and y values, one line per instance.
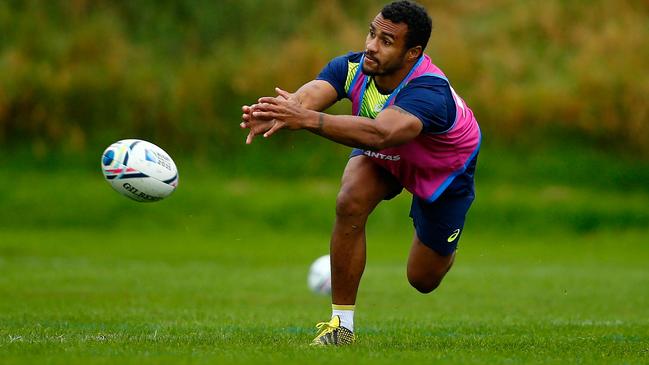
385	47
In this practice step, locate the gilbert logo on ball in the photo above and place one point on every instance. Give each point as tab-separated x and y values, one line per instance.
139	170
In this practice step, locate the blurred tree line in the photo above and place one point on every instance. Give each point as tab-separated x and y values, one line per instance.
74	73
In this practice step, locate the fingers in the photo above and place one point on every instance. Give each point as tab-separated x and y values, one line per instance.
256	117
268	100
250	137
275	128
266	115
255	131
276	106
246	116
282	93
267	132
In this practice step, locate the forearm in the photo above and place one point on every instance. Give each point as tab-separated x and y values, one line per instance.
392	126
349	130
315	95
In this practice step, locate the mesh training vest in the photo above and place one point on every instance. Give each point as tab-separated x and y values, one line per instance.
426	165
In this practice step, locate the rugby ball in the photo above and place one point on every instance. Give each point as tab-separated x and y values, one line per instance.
319	279
139	170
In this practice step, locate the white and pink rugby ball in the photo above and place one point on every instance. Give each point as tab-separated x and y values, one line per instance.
139	170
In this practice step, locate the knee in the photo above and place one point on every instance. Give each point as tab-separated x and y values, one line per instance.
424	285
349	205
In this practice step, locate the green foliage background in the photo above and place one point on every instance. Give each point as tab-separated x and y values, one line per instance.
552	263
78	74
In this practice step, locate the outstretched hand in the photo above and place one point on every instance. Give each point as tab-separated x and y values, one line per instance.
255	125
271	114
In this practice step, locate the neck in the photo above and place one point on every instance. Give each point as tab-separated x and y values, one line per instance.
387	83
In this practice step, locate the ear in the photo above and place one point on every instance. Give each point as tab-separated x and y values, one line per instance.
414	53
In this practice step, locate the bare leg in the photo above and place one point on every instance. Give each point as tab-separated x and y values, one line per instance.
364	185
427	268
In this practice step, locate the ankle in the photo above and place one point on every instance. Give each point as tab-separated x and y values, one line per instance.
345	313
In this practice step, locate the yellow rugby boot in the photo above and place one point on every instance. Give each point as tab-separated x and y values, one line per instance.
332	333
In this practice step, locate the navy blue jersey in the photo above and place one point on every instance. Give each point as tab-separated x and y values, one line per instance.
428	98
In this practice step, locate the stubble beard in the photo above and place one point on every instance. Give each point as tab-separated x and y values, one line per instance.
385	71
370	72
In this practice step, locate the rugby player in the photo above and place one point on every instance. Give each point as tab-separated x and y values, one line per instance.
409	129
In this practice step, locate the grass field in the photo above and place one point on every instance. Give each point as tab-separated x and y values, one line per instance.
553	268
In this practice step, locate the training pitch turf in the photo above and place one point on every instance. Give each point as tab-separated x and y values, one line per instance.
546	273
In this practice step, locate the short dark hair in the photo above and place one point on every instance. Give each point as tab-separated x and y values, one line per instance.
415	16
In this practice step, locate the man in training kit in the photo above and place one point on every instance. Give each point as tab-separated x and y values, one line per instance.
410	129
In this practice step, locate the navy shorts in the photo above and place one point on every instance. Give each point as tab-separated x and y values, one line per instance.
439	224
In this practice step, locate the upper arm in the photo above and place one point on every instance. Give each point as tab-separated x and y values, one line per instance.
335	73
430	99
397	126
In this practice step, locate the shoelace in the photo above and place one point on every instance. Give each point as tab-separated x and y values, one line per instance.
324	327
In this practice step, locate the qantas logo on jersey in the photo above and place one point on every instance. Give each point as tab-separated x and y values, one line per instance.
382	156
